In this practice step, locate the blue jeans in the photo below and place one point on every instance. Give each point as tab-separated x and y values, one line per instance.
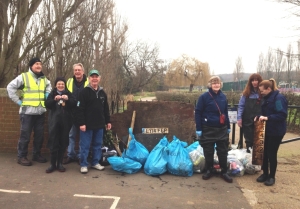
89	138
29	123
72	142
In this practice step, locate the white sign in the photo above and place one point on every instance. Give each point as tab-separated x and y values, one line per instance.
155	130
232	115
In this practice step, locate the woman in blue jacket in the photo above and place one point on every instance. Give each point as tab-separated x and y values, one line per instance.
213	127
274	112
249	107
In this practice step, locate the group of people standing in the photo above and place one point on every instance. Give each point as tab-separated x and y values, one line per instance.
78	106
260	100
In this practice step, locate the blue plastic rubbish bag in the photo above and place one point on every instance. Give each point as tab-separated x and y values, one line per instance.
192	146
136	151
125	165
156	163
179	162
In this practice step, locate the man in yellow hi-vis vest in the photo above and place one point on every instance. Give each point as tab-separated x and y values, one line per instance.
36	87
75	86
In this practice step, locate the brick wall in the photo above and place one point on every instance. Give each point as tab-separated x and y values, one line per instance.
10	127
177	116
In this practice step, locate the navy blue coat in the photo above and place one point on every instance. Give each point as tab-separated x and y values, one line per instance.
275	108
207	112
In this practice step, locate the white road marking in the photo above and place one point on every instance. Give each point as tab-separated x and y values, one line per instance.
14	191
113	206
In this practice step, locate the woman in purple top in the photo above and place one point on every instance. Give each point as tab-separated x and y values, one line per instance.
249	107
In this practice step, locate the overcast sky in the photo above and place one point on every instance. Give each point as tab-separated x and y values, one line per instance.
216	31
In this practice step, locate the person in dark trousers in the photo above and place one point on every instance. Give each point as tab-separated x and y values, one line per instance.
75	85
274	113
213	127
93	117
60	102
249	107
35	89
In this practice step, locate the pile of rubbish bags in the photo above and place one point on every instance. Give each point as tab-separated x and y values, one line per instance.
177	158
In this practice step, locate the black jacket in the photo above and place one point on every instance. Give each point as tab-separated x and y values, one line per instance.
59	117
92	108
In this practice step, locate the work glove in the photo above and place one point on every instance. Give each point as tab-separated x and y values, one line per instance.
199	133
46	95
228	131
239	122
19	103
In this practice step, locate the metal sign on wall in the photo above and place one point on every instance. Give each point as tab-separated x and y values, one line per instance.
155	130
232	114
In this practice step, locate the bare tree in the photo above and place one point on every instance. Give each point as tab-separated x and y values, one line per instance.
268	64
260	64
290	62
141	65
278	65
187	71
238	72
14	18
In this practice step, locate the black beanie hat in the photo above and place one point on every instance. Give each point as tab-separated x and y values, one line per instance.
59	79
33	60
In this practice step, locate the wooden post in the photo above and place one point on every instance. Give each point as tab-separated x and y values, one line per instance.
116	144
131	126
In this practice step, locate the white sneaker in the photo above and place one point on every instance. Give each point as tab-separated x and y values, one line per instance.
83	170
98	167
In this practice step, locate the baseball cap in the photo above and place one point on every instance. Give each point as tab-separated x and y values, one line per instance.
92	72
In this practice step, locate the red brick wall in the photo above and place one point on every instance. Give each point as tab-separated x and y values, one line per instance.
177	116
10	127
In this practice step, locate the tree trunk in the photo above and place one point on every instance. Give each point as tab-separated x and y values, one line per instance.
191	87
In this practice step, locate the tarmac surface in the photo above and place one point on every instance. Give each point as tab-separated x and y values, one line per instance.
31	187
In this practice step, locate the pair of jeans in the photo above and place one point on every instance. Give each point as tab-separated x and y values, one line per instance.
93	139
29	123
72	142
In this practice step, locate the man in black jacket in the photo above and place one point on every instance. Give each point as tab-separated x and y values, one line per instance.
75	85
92	116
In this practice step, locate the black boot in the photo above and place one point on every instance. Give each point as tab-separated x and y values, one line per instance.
226	177
207	175
224	174
60	166
270	181
52	167
262	178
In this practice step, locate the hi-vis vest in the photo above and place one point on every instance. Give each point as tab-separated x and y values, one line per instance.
70	84
33	94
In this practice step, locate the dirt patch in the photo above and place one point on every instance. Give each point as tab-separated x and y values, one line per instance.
286	191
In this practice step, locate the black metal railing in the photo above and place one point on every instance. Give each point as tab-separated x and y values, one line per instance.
241	137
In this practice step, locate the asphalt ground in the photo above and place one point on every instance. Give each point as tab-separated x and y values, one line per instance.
30	187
